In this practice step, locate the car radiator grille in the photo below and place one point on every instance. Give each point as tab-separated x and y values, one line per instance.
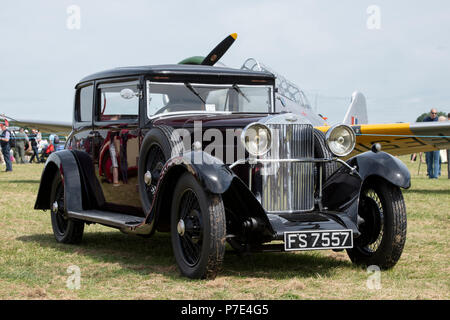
289	186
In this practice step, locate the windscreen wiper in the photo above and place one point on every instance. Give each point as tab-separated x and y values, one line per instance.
238	90
191	88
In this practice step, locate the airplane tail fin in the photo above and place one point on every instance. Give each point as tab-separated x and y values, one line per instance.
357	111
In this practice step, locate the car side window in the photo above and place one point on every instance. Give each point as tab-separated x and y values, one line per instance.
84	104
118	101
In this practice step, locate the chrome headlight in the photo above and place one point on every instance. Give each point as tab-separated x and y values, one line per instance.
257	139
341	140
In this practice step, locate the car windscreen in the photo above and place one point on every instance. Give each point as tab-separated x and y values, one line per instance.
190	97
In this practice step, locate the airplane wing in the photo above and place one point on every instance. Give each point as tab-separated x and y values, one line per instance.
401	138
61	128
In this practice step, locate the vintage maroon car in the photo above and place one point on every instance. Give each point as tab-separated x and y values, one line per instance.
203	153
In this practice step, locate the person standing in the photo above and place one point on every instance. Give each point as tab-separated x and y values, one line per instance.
432	157
21	142
34	140
4	143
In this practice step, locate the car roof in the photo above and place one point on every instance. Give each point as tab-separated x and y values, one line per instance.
176	69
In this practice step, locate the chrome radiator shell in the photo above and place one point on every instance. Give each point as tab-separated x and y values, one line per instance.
288	186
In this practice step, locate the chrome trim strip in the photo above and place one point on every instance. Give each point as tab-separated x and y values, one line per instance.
314	160
352	169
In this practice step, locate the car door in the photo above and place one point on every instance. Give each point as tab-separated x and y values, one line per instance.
116	143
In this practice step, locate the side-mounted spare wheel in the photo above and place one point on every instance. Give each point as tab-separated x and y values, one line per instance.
65	230
198	229
383	225
157	147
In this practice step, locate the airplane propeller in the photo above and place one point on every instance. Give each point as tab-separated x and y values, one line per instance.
215	53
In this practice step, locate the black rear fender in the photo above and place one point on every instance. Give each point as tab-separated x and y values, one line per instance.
81	187
65	163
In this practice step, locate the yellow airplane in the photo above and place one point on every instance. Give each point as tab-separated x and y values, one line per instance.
401	138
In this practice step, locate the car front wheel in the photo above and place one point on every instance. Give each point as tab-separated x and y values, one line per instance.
383	225
197	229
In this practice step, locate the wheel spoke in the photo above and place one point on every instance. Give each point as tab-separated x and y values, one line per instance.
374	225
185	244
192	248
191	241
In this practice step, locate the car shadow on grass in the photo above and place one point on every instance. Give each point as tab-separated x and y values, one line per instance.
19	181
427	191
154	255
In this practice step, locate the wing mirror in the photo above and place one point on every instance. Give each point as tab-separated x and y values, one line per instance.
127	94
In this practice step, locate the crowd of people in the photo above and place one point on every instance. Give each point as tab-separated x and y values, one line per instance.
21	146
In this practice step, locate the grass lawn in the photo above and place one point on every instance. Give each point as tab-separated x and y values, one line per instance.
118	266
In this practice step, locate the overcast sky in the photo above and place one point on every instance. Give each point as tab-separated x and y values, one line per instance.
397	55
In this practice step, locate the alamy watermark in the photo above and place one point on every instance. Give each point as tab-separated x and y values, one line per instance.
73	282
226	145
374	19
374	280
73	21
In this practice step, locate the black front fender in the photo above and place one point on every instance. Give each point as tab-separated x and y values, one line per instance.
212	174
215	177
342	189
383	165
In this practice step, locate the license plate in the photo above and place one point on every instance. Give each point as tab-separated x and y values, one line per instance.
318	240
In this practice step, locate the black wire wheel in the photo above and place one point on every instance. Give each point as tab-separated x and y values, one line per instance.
65	230
197	228
383	225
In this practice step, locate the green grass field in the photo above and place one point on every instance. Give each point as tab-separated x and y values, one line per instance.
118	266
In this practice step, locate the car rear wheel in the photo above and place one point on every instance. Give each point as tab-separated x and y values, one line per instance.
65	230
383	226
198	229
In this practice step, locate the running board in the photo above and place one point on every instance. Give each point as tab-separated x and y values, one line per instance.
112	219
